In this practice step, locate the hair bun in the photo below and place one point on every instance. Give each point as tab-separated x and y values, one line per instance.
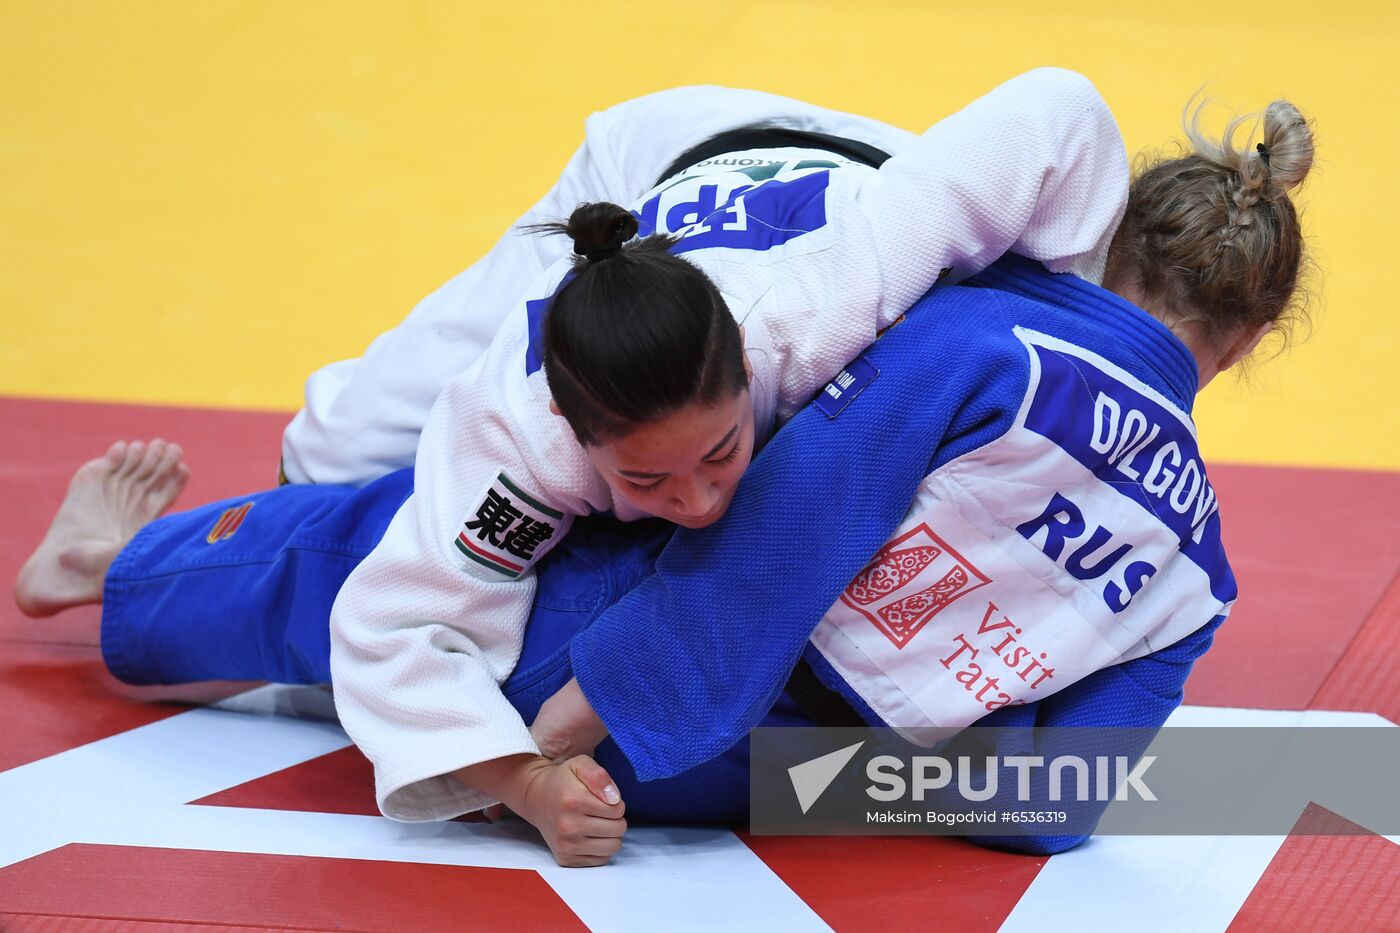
599	229
1269	169
1289	142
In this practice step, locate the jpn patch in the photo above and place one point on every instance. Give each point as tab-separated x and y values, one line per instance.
849	383
228	523
505	531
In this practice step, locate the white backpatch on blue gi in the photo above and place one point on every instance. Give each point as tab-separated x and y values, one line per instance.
1087	535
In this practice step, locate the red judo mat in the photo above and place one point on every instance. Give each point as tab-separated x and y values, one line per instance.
1317	628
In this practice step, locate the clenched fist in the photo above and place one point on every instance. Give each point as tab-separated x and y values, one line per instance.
576	807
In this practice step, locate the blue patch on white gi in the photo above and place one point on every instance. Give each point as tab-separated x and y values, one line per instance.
848	383
534	348
1138	448
535	312
753	217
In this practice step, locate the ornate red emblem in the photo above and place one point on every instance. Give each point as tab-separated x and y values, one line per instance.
911	580
883	577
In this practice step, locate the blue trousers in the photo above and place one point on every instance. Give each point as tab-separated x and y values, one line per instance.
242	590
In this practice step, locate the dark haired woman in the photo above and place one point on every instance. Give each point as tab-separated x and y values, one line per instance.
641	354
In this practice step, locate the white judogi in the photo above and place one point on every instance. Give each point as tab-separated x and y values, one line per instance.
363	416
814	257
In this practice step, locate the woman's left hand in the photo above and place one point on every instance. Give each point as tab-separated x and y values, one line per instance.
567	725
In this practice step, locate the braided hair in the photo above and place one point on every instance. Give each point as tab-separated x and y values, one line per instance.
1213	236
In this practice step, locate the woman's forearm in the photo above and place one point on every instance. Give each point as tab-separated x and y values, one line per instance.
507	779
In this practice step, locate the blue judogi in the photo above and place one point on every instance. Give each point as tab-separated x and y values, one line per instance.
732	607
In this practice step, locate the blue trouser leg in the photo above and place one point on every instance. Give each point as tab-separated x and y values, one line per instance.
251	605
255	605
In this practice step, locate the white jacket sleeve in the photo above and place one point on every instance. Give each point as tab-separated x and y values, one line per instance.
362	417
431	623
1036	167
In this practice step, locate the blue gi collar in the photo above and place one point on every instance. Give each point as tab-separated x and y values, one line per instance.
1150	339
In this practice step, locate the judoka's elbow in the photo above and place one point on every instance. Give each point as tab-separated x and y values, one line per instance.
1065	84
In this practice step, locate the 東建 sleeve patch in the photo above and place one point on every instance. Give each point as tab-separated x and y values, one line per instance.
506	530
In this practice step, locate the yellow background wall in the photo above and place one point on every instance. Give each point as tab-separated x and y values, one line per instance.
201	202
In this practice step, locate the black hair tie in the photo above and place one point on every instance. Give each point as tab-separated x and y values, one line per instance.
599	253
1263	152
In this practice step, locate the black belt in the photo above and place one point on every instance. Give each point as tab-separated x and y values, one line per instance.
774	137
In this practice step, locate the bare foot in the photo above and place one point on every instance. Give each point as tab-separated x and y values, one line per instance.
108	502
